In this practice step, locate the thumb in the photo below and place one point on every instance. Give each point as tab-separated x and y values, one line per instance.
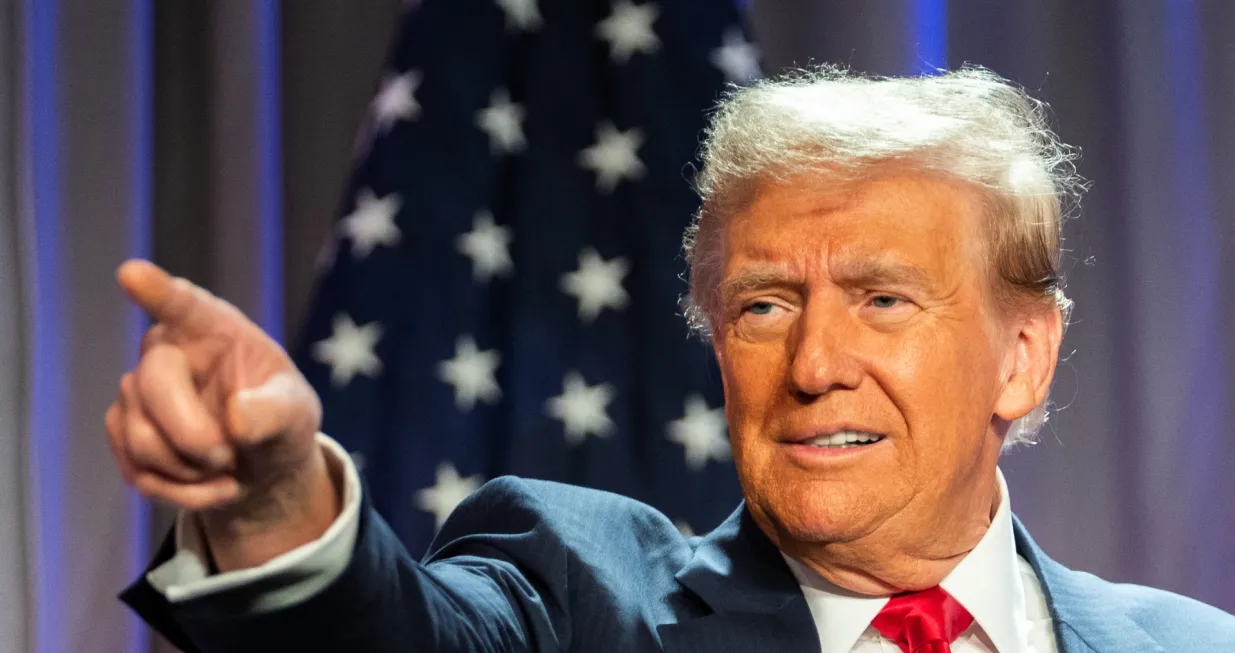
285	404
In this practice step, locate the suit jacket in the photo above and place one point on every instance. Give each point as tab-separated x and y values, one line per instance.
536	566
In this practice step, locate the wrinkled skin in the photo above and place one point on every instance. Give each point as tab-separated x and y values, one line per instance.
870	308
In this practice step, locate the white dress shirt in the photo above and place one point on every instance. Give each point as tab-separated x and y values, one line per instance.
997	587
993	583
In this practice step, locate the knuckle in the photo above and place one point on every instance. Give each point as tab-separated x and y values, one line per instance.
154	335
158	368
159	357
149	450
194	439
143	445
141	433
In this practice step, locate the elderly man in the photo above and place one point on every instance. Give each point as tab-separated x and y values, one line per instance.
876	263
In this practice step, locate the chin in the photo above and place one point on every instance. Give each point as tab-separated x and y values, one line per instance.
817	511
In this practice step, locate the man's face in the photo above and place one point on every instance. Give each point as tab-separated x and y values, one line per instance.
860	315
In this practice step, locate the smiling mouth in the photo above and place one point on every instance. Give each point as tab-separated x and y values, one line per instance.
843	440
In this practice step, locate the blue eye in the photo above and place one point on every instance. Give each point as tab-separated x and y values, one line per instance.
761	308
885	301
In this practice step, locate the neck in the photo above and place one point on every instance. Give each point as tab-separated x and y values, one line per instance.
902	555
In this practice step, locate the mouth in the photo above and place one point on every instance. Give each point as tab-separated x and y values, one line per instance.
843	440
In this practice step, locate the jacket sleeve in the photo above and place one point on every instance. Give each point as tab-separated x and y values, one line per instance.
287	579
495	580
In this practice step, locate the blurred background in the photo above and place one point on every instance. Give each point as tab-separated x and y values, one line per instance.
463	218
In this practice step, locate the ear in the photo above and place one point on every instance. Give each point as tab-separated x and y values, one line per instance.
1031	364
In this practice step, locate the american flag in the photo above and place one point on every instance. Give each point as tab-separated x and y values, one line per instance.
500	295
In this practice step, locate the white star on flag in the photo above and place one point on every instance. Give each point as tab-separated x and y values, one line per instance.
736	58
487	244
372	223
684	528
449	491
396	100
614	156
629	29
522	15
349	350
471	373
702	431
581	408
597	284
502	120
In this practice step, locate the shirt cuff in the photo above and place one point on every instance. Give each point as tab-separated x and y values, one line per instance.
281	582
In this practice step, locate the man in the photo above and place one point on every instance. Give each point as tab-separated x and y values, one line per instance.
876	263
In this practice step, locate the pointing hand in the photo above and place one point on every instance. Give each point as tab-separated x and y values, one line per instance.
217	420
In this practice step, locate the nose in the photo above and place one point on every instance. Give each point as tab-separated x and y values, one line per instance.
823	357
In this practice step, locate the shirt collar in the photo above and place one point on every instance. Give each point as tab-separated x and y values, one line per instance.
986	582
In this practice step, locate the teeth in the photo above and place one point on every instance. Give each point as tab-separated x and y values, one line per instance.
845	439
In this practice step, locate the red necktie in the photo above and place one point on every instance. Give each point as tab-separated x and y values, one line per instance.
923	622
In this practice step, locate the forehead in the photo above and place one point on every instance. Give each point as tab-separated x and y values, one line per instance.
905	219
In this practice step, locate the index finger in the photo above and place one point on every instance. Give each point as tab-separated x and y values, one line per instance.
169	300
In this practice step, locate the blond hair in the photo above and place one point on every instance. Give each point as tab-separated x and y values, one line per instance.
970	125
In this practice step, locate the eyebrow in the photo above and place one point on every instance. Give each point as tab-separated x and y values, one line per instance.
879	271
765	276
854	272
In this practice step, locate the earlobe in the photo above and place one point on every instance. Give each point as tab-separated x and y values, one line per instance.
1016	400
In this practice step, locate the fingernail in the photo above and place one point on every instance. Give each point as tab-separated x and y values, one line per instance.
219	456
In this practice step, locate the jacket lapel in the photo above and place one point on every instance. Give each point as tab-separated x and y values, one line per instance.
756	603
1085	618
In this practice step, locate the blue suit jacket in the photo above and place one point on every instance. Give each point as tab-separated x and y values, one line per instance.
536	566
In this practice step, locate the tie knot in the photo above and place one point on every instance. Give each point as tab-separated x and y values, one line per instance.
923	622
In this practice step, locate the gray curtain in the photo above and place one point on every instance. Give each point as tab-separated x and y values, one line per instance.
73	124
136	128
216	137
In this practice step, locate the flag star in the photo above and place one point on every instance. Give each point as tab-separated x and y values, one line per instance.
629	29
372	223
521	15
736	58
614	156
581	408
448	492
597	284
487	244
471	373
702	431
397	100
503	122
358	460
349	350
684	528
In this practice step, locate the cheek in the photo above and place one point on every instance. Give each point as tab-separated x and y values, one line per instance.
943	386
753	378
